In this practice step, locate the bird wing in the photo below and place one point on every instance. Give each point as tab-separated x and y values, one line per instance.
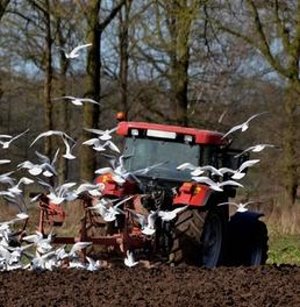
112	146
79	246
5	136
90	100
95	131
42	157
204	179
255	115
212	169
260	147
104	170
64	97
186	166
228	203
55	157
230	182
46	134
178	210
93	141
244	151
4	161
19	135
76	49
248	163
233	129
225	170
112	130
123	201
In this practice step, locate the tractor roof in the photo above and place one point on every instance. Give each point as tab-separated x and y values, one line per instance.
201	136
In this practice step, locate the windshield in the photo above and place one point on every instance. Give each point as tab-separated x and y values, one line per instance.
164	155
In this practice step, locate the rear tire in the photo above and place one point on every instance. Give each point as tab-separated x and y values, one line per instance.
199	237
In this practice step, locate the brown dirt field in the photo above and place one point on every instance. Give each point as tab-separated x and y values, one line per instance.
163	286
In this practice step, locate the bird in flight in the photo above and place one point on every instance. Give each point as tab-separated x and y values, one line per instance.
216	186
6	144
241	207
104	135
167	216
255	148
244	126
129	260
65	137
77	101
75	52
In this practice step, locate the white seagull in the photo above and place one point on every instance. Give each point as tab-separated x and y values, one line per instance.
104	135
147	222
77	101
5	144
108	211
244	126
92	265
65	137
15	189
235	174
46	167
75	52
202	169
50	133
129	260
99	146
167	216
255	148
93	189
216	186
77	247
239	173
241	207
68	155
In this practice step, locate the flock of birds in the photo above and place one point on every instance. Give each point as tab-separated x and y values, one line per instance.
38	252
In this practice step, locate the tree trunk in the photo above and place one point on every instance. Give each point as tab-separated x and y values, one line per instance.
179	88
91	112
48	78
180	19
62	108
289	143
124	56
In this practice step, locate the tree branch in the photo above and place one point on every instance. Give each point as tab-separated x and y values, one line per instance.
111	16
281	29
3	6
264	46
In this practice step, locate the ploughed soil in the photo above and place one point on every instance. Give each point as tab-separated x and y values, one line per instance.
160	286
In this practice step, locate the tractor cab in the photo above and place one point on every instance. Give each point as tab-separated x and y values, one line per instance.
154	151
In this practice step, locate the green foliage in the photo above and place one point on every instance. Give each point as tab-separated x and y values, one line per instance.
284	249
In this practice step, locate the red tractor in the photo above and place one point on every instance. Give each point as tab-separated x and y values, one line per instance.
204	233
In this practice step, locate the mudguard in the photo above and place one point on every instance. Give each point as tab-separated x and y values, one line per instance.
192	194
243	222
112	188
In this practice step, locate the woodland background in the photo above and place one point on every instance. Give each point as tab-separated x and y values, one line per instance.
207	64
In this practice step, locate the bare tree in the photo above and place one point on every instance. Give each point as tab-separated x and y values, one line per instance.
261	25
124	53
91	112
44	8
166	47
